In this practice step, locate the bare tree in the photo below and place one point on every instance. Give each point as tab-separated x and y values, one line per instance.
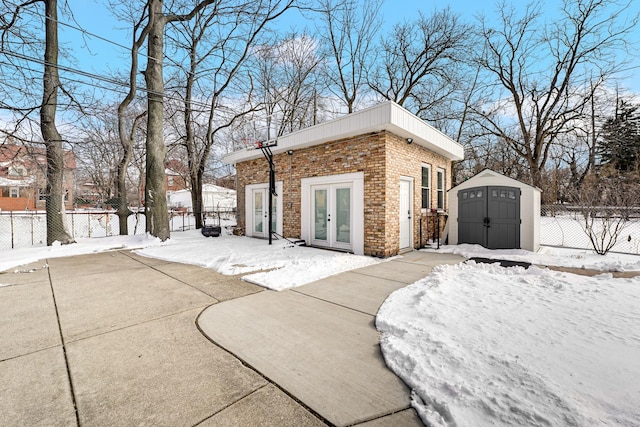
548	72
419	59
156	213
219	40
97	156
348	31
50	87
606	203
287	80
127	127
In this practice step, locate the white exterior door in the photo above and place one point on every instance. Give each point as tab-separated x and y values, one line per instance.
332	211
260	213
257	210
406	213
332	216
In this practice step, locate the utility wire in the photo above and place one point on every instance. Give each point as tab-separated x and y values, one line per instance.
88	33
116	83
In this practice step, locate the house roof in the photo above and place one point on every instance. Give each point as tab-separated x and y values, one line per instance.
8	182
12	153
209	188
387	116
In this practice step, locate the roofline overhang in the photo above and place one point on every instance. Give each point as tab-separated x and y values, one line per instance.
387	116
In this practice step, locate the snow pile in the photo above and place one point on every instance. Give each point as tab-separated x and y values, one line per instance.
482	345
279	266
577	258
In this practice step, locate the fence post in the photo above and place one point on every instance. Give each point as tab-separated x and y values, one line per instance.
11	222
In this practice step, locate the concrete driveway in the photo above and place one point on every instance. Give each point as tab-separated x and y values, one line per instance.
319	343
112	339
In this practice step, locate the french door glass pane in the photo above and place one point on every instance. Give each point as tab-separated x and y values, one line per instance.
343	215
274	215
320	214
257	211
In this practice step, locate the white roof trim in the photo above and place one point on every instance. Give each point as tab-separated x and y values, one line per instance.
387	116
490	177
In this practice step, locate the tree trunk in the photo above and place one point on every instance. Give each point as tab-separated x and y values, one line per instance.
157	216
123	211
53	142
196	198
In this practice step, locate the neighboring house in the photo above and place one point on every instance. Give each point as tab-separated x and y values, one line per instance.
214	198
175	175
88	195
174	181
23	177
228	181
360	183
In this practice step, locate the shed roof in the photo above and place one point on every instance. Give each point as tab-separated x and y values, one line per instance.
387	116
490	177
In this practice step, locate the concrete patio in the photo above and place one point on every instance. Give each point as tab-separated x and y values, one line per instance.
112	339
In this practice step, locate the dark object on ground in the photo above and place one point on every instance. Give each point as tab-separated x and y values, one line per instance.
503	262
211	230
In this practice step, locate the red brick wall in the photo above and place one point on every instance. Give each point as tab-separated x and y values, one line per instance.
16	203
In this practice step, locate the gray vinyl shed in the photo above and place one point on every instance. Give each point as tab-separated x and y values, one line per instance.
495	211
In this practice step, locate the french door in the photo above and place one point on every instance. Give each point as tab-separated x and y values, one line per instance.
332	216
260	213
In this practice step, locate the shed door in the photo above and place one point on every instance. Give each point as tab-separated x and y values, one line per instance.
489	216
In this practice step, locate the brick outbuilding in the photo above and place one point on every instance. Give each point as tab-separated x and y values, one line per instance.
364	183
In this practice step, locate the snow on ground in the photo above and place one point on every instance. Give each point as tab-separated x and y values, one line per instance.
482	345
13	258
287	265
547	255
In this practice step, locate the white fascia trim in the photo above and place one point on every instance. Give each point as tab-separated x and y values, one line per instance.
387	116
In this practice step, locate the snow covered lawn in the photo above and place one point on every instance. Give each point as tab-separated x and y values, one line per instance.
286	265
482	345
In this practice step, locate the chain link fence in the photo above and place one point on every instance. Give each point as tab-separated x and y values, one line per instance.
29	228
571	227
560	225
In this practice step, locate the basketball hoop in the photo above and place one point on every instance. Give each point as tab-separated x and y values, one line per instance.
254	144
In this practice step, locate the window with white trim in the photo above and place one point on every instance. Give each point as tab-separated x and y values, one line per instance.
426	186
440	188
14	192
17	171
